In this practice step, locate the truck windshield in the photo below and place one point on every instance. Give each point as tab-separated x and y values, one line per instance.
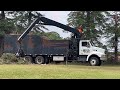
92	43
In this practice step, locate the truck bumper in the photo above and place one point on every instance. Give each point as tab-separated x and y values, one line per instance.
103	58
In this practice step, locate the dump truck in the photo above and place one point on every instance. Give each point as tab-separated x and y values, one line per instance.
41	51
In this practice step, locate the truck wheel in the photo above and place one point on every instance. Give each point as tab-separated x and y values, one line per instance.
94	61
39	60
29	59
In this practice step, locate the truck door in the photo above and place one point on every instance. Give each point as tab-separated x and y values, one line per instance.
84	48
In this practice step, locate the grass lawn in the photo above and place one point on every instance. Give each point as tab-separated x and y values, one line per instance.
59	72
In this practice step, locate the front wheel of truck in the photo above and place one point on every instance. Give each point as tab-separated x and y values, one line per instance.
95	61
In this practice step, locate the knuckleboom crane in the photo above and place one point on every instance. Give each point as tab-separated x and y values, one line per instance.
74	42
77	49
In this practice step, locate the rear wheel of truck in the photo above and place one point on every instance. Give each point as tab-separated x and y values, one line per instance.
39	60
29	59
95	61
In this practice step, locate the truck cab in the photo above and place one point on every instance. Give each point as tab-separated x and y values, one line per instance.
90	53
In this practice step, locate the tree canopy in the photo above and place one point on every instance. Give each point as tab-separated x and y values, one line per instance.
91	21
15	22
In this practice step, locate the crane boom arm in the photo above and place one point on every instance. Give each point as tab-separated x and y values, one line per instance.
57	24
47	21
28	30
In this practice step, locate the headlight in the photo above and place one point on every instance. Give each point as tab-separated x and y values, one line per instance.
103	57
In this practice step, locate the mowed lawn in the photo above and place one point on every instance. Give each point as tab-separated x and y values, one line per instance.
50	71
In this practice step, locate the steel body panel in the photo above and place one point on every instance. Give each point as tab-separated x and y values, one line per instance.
33	44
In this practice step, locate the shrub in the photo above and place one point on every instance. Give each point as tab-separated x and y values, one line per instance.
8	58
1	61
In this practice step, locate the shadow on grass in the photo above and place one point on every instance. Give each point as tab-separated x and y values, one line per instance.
71	63
107	63
111	63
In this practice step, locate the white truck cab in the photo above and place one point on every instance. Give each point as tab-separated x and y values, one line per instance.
94	55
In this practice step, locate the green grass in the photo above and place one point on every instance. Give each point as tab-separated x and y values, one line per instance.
59	72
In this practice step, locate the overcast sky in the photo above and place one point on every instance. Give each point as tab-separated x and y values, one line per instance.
59	16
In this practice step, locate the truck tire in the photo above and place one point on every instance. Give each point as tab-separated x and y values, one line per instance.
39	60
95	61
29	59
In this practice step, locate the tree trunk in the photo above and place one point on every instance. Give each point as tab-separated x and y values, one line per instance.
88	24
1	37
116	48
2	14
1	45
29	17
116	39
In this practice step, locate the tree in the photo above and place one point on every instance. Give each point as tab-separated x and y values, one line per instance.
53	36
91	21
112	31
2	15
50	35
6	25
22	19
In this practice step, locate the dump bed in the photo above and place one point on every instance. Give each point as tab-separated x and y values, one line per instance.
34	44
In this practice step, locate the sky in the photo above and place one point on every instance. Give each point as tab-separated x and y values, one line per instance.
59	16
